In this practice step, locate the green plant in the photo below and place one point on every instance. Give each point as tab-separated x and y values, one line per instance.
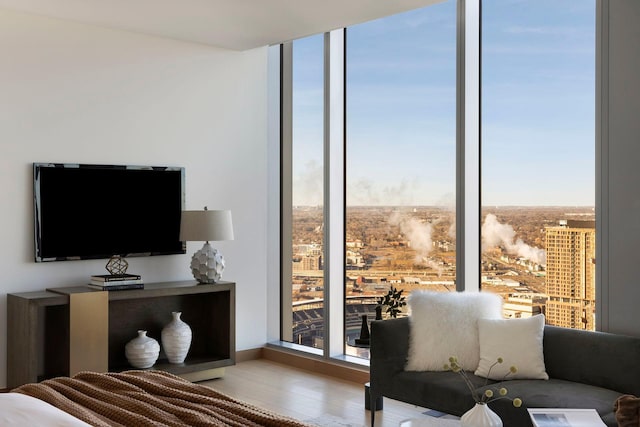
394	302
489	395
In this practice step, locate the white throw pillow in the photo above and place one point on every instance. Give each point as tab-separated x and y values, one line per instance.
444	324
518	342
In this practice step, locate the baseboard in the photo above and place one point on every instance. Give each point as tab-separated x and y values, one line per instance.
246	355
316	365
307	363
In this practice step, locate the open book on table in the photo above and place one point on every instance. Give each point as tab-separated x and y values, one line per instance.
562	417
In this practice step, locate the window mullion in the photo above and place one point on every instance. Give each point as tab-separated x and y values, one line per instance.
286	189
334	194
468	147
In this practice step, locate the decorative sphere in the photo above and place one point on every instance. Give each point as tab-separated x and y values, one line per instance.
207	265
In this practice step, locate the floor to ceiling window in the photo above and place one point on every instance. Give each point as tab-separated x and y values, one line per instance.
400	160
306	312
538	158
403	139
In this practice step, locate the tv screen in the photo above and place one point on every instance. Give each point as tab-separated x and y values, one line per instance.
97	211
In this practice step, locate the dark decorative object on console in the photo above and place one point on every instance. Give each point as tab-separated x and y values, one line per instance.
364	333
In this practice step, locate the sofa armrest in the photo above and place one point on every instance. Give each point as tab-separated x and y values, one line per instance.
388	353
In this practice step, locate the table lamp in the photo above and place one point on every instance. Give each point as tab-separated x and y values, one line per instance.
207	264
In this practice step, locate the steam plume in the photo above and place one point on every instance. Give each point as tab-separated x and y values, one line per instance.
419	233
496	234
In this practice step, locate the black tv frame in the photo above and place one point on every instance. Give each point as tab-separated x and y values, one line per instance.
111	198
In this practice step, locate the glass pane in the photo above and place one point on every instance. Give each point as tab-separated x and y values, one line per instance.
538	158
307	164
401	157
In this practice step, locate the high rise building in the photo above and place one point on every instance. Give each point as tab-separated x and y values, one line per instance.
571	287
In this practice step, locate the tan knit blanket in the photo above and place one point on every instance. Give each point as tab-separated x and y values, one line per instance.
148	398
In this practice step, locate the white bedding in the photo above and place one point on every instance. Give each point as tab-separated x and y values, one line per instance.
21	410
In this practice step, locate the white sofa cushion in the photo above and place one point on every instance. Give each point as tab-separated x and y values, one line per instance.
518	342
444	324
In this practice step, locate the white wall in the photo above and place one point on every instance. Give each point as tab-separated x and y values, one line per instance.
82	94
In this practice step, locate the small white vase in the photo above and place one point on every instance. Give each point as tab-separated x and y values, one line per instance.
176	339
480	416
142	351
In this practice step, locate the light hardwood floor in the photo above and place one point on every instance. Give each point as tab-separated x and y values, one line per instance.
305	395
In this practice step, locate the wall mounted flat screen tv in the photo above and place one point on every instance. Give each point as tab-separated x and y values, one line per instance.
97	211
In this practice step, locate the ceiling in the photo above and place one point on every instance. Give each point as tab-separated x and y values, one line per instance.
231	24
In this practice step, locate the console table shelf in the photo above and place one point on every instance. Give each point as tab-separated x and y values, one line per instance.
43	337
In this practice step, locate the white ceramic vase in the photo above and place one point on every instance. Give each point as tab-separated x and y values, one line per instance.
176	339
142	351
480	416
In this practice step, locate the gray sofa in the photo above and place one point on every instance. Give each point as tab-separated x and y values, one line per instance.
586	370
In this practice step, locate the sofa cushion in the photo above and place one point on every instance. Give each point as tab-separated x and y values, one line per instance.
518	342
553	393
444	324
442	391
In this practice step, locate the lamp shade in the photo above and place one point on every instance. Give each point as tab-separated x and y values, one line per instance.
206	225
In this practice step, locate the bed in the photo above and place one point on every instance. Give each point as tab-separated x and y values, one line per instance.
131	398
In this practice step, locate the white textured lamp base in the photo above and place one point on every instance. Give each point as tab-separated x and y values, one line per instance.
207	264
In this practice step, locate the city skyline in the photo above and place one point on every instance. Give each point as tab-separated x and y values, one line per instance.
534	258
538	107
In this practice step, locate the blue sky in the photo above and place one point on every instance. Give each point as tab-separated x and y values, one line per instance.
538	110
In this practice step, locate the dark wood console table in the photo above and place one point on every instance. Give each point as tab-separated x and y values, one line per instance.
61	331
